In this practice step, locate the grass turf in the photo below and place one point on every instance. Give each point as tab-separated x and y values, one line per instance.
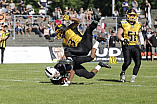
27	84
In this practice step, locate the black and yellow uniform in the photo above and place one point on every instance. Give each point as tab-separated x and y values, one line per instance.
81	44
72	37
131	50
3	44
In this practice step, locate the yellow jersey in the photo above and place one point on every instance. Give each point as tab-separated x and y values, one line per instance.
72	37
131	32
3	42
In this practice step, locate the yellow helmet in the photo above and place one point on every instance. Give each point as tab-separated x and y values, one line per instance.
131	12
59	31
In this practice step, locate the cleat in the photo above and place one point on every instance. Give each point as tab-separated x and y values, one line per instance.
66	61
104	65
122	76
133	79
97	16
101	39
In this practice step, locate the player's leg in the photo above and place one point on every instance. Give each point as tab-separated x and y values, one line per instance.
87	37
127	62
2	55
82	72
137	59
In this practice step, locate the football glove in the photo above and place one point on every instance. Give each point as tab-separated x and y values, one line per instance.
66	83
126	42
66	17
142	48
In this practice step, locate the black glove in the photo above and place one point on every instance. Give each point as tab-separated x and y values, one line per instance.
126	42
142	48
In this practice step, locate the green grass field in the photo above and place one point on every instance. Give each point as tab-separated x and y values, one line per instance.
27	84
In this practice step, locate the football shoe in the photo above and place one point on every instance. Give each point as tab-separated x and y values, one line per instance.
122	76
133	79
96	14
104	65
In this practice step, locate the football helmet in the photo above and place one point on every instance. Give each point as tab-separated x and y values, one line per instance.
129	13
59	30
50	72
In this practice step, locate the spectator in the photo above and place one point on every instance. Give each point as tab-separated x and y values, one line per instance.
88	15
55	14
41	27
20	4
58	21
59	13
12	5
79	16
35	28
47	35
51	29
116	13
4	3
42	12
98	9
98	27
148	47
146	8
134	5
27	28
155	24
16	11
144	30
24	12
5	35
102	34
125	6
31	11
43	3
19	28
112	40
153	43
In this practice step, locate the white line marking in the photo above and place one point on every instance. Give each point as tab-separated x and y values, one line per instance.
128	85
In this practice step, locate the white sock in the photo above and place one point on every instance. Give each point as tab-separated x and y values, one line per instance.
133	77
96	45
98	67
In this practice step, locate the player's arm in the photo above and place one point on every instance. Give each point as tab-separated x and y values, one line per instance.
76	20
71	75
119	34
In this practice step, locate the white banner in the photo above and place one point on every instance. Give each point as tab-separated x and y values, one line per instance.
27	55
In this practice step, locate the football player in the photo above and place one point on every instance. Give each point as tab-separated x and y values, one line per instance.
129	34
75	42
60	70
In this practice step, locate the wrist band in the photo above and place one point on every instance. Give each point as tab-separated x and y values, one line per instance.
122	39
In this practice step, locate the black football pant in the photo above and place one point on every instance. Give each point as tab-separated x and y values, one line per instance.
85	45
131	52
2	54
79	69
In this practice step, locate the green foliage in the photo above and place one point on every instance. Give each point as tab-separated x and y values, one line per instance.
27	84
